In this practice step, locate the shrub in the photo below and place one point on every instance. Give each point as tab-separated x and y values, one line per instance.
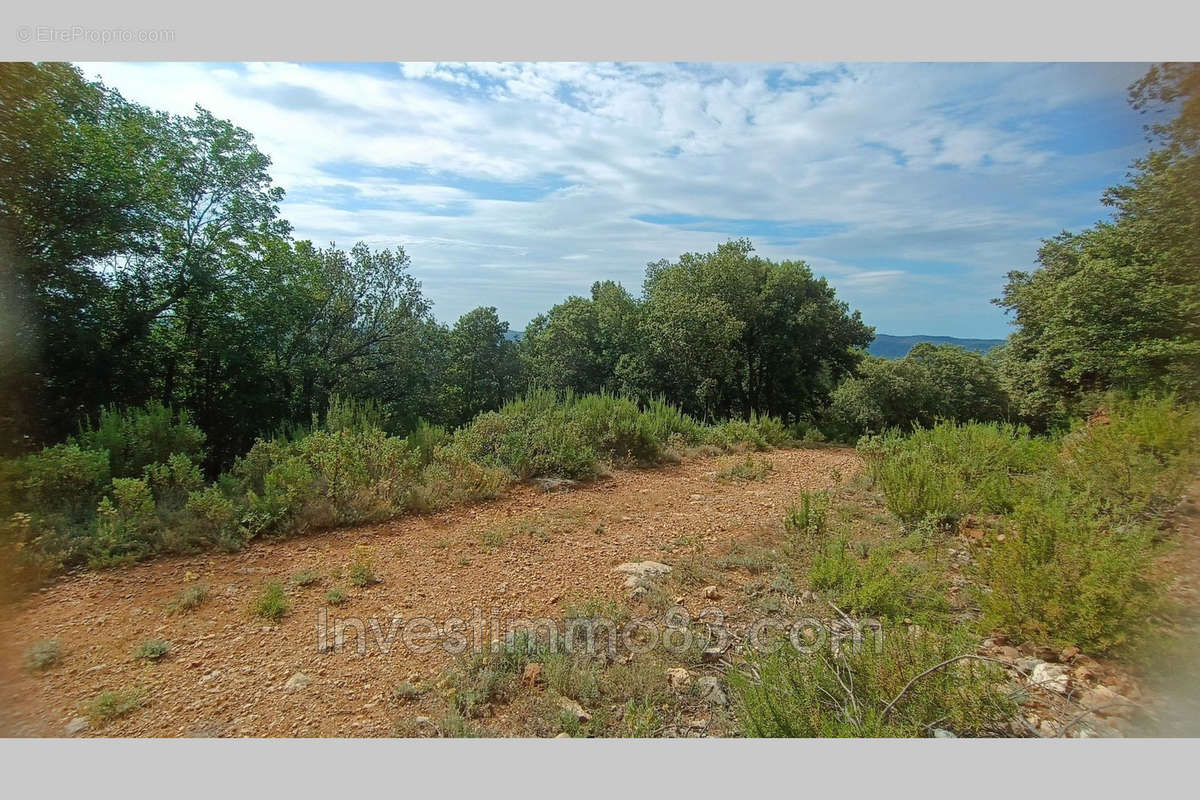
152	650
173	481
864	693
112	705
873	584
126	526
917	488
335	596
1067	578
748	468
43	654
135	438
305	577
65	479
361	572
190	599
807	521
211	519
271	602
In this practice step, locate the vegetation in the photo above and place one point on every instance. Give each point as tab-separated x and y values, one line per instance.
190	599
152	650
43	654
272	602
111	705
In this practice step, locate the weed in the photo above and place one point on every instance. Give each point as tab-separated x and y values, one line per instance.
189	599
305	577
335	596
111	705
152	650
43	654
361	572
272	602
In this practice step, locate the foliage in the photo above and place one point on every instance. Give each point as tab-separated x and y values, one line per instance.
932	382
137	438
864	693
271	602
152	650
110	705
875	585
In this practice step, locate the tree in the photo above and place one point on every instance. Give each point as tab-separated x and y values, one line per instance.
1118	305
792	340
483	367
932	382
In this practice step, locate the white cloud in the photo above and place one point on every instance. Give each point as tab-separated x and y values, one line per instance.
917	163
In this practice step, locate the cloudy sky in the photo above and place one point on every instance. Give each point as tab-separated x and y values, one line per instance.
912	187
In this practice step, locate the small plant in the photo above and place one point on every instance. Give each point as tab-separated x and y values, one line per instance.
111	705
361	571
405	692
808	520
43	654
272	602
152	650
189	599
335	596
493	537
305	577
749	468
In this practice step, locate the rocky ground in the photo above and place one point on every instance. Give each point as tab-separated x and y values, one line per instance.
229	673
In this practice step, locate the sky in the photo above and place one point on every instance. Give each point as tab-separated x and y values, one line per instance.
913	188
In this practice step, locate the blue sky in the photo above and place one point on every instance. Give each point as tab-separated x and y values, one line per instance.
913	188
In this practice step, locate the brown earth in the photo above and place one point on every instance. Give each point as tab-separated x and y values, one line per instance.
526	554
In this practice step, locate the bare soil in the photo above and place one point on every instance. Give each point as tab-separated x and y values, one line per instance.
528	553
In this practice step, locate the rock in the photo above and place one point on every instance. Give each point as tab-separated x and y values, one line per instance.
1054	677
563	735
1069	654
712	593
696	497
553	484
679	678
208	676
574	709
638	593
710	690
423	721
1104	702
77	725
532	675
1028	664
1085	671
942	733
298	681
1008	652
641	571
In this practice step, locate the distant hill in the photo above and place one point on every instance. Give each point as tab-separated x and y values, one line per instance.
898	346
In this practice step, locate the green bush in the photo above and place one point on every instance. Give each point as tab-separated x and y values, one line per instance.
127	527
1065	577
917	488
65	479
863	693
135	438
875	584
808	520
152	650
111	705
211	519
272	602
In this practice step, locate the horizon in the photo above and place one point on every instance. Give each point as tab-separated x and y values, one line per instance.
518	185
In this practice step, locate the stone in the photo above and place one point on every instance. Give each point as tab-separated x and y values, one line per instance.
423	721
563	735
532	675
77	725
710	690
641	571
1104	702
298	681
1008	652
1028	664
574	709
1068	654
712	593
638	593
679	678
942	733
554	484
1054	677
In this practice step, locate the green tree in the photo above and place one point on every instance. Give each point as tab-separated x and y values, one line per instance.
483	369
1118	305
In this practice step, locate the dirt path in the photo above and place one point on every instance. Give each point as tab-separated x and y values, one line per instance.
526	554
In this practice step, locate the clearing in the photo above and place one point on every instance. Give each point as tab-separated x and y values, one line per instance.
229	673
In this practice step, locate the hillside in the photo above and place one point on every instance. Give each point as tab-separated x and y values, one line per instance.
887	346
